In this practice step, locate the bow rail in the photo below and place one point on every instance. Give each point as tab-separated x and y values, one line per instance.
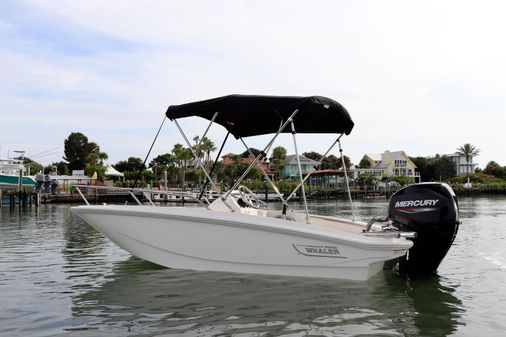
147	193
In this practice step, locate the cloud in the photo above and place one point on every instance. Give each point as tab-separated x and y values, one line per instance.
425	77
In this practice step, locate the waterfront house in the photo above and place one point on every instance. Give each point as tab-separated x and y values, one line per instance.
232	159
291	169
460	166
388	164
328	179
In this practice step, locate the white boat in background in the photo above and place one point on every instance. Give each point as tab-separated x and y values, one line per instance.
10	172
238	232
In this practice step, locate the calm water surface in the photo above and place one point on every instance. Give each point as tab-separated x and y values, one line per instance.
59	277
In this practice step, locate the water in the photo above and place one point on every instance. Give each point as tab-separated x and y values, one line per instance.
59	277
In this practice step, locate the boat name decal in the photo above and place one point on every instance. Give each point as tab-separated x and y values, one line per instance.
319	251
416	203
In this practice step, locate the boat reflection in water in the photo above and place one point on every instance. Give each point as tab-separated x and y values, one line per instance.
143	298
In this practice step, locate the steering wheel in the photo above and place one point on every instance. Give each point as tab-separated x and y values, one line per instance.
251	199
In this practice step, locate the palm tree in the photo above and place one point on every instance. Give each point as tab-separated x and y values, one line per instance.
198	147
278	160
182	155
469	151
207	147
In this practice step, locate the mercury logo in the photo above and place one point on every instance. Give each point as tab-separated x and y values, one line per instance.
416	203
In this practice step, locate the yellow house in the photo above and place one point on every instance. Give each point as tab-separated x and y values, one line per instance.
388	164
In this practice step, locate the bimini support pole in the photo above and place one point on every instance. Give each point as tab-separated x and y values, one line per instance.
208	127
281	128
314	169
194	154
267	178
347	182
300	172
214	165
198	145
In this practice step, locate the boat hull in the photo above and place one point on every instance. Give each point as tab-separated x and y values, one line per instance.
12	182
205	240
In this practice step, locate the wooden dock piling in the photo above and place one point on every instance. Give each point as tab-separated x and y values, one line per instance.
20	198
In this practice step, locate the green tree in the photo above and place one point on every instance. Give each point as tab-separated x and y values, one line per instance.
162	160
97	157
61	167
312	155
435	168
161	163
197	148
91	168
255	152
329	162
364	163
424	167
278	160
49	169
193	174
182	156
208	147
402	180
79	151
254	174
32	166
443	168
365	180
203	148
335	163
132	164
495	170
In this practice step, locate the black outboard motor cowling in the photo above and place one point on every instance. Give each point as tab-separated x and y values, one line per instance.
430	210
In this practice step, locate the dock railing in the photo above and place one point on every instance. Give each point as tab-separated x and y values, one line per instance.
84	190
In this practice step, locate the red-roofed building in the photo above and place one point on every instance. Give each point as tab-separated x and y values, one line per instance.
229	159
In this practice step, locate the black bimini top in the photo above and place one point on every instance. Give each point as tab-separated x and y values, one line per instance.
253	115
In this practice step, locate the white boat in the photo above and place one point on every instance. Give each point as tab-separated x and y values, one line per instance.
240	233
10	172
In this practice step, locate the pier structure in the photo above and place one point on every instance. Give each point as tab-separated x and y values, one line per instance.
22	198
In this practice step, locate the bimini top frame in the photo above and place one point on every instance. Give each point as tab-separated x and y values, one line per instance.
253	115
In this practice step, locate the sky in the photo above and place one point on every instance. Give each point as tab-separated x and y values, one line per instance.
421	76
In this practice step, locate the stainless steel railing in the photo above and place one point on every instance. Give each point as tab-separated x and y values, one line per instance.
147	193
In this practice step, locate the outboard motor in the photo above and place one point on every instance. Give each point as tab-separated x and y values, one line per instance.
47	183
54	186
430	210
39	178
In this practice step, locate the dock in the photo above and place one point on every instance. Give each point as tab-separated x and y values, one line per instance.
19	198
